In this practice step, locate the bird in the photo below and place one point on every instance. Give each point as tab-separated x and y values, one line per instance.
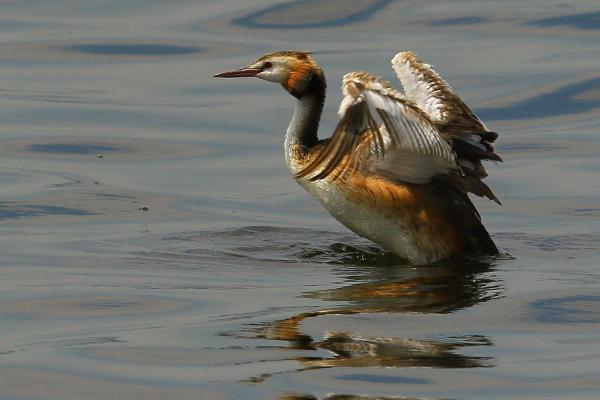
399	166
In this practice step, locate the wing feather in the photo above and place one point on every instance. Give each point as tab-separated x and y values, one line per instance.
381	132
425	87
470	138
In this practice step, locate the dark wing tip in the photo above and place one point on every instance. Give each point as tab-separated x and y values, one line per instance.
494	156
489	136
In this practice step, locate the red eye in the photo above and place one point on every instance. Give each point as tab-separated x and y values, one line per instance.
267	65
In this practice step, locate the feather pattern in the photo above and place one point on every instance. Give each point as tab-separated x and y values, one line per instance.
470	138
380	132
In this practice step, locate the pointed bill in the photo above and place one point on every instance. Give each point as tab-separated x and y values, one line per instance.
239	73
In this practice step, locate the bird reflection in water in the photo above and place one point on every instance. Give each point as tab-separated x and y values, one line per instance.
440	288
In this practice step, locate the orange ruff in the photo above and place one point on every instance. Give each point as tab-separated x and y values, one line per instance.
299	75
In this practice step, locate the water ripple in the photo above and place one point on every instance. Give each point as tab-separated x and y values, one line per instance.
19	210
72	148
564	100
459	21
568	310
285	245
585	21
132	49
305	396
121	148
312	14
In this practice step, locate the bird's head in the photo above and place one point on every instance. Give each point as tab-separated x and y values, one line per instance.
293	70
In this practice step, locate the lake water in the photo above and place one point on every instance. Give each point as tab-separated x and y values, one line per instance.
154	246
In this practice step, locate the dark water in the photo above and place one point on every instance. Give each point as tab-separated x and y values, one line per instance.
154	246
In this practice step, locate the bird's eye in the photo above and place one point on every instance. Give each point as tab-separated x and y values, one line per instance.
267	65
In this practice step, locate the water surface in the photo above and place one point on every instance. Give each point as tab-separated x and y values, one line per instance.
153	244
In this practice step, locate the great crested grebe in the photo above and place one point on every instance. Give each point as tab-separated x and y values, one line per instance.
398	167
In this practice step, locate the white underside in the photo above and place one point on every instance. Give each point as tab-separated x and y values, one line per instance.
368	222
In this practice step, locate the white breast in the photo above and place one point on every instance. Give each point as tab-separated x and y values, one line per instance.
367	221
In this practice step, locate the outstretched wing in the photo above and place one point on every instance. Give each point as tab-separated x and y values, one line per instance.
470	138
381	132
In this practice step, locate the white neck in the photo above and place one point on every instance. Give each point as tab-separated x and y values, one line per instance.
306	113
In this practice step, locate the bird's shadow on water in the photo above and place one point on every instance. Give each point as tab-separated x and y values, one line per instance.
375	281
